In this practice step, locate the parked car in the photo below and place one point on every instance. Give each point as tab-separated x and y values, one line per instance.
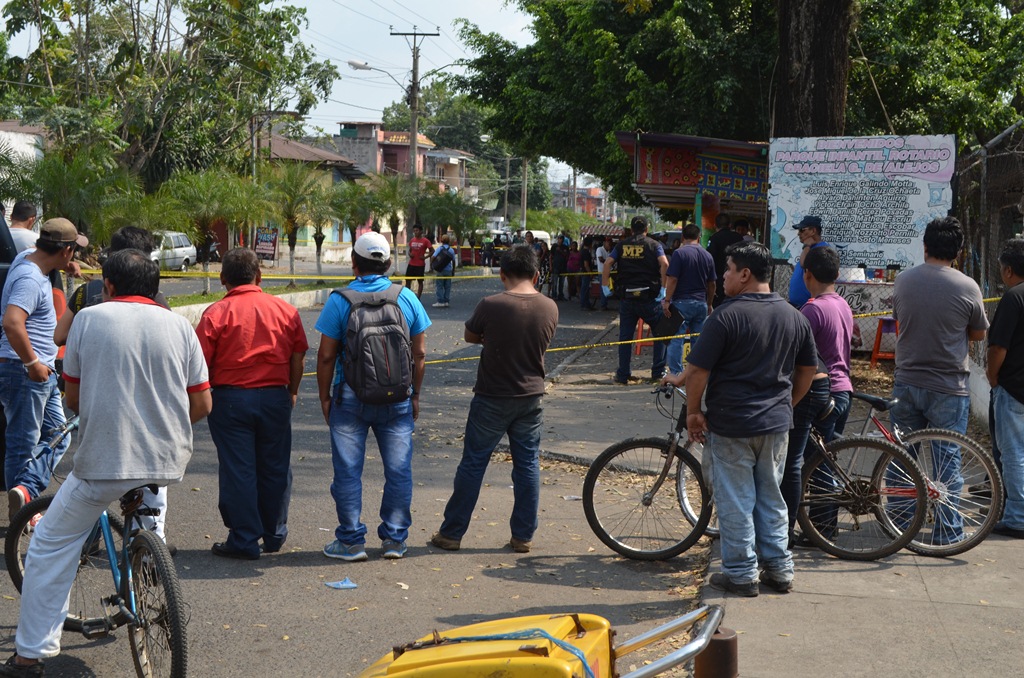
671	239
174	252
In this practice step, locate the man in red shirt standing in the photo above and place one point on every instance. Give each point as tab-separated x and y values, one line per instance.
254	345
419	250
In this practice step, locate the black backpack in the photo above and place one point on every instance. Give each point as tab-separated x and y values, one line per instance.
377	356
441	259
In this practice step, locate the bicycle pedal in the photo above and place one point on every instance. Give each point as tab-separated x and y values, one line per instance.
94	630
146	511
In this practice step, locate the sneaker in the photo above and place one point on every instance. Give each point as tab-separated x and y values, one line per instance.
1005	530
627	382
17	497
446	543
349	552
393	550
519	545
31	527
780	585
438	305
721	582
10	668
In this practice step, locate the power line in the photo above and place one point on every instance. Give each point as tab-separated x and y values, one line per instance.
355	11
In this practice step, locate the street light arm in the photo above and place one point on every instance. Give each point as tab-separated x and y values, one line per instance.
363	66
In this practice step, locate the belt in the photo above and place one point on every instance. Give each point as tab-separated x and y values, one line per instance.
228	387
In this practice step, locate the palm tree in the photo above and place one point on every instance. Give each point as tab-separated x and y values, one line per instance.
78	187
391	195
250	206
448	210
297	191
206	198
351	204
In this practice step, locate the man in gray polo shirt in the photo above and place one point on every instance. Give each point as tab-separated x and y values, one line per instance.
136	374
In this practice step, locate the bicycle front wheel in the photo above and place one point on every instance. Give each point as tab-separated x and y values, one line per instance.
157	635
633	517
965	498
93	581
863	499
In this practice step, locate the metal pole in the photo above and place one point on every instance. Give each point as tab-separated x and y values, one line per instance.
522	217
508	160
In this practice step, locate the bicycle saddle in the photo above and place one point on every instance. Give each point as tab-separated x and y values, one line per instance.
880	404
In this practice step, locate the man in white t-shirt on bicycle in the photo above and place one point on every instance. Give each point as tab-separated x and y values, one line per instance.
136	375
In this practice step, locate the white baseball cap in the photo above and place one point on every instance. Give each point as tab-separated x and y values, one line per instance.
373	246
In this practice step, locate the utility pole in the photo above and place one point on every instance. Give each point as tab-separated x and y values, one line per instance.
522	199
574	190
414	98
504	221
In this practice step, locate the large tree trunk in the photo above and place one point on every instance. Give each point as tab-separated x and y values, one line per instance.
814	65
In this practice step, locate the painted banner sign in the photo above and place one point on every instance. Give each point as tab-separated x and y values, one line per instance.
266	242
874	195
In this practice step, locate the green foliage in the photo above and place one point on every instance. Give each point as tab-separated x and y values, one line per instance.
443	211
556	220
169	90
352	205
940	67
707	68
80	187
390	196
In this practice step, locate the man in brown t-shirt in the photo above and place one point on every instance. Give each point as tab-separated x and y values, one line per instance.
515	328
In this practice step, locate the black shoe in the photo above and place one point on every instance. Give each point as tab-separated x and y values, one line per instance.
9	668
721	582
271	549
1006	531
780	585
224	551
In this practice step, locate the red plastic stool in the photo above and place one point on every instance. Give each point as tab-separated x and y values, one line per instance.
886	325
640	335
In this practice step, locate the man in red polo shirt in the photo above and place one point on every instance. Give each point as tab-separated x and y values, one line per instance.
254	344
419	250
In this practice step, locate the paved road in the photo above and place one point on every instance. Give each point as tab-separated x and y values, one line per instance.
275	616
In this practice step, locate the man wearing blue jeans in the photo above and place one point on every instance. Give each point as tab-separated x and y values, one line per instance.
640	287
1006	376
28	381
443	280
931	359
350	419
755	359
690	285
515	328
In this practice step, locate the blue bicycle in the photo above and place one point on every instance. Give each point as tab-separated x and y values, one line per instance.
146	594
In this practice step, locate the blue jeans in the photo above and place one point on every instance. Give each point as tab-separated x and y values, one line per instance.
630	312
252	430
557	290
33	410
392	426
489	419
751	512
443	288
804	414
694	314
1009	427
835	423
921	408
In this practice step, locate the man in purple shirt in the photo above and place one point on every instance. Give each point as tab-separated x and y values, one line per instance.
690	287
832	325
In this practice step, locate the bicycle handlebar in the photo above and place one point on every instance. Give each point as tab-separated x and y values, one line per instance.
63	432
669	390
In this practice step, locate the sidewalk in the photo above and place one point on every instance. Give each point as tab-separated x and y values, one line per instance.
960	616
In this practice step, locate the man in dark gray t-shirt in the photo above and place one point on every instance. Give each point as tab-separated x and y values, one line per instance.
755	358
931	358
515	328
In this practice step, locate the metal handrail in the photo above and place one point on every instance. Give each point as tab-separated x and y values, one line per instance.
711	613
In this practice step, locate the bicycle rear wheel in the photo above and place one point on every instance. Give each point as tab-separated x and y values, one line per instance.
93	582
632	519
965	500
863	499
692	512
157	635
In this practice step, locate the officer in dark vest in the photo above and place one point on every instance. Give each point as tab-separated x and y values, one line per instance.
640	287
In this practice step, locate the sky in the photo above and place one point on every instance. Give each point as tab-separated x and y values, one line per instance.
360	30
